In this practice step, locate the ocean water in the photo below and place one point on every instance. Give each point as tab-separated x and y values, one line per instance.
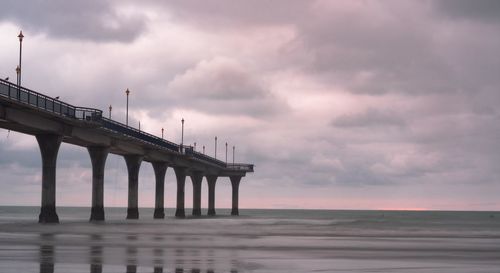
256	241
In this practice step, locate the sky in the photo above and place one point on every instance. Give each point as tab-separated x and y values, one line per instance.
360	104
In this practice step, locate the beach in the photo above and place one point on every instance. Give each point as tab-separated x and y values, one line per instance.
256	241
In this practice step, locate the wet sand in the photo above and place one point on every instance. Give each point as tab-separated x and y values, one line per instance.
244	244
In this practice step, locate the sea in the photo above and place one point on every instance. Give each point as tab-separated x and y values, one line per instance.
260	240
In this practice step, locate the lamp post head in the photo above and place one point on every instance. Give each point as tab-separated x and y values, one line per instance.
20	36
127	92
182	120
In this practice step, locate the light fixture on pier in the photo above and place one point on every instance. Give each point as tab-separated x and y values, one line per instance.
161	133
203	149
195	146
126	120
226	152
20	36
182	132
215	147
110	109
233	155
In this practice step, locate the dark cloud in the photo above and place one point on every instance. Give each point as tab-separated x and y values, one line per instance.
481	10
223	86
369	118
92	20
231	14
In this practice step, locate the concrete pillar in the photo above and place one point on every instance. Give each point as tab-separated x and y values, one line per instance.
98	157
180	175
49	146
235	182
197	178
211	179
160	169
133	166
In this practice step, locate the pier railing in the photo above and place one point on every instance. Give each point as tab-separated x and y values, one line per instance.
32	98
240	167
130	131
191	152
46	103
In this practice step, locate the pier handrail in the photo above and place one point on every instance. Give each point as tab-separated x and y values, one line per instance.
240	167
40	101
203	157
144	136
26	96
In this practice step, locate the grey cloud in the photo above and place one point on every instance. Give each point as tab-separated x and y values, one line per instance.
228	14
369	118
223	86
92	20
481	10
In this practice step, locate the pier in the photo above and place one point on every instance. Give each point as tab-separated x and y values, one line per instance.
53	121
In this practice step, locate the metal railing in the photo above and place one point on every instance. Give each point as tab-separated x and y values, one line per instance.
191	152
26	96
130	131
240	167
52	105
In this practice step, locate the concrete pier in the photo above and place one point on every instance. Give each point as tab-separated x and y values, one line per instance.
160	169
49	147
98	155
211	180
180	175
197	178
235	183
133	166
53	121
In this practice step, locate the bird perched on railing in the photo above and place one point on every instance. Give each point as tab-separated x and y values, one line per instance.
7	78
56	98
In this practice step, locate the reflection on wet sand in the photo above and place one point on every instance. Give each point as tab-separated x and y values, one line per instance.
193	262
95	255
46	257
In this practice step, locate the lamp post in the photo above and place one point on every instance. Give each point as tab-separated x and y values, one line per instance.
139	125
110	109
233	155
182	132
127	92
20	36
226	152
215	147
203	149
18	72
195	146
161	133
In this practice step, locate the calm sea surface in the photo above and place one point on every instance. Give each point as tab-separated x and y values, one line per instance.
257	241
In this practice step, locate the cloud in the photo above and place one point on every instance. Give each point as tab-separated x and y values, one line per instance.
481	10
369	118
223	86
93	20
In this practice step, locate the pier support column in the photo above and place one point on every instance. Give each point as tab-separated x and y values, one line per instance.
133	166
49	146
211	179
98	157
235	182
180	175
197	178
160	169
